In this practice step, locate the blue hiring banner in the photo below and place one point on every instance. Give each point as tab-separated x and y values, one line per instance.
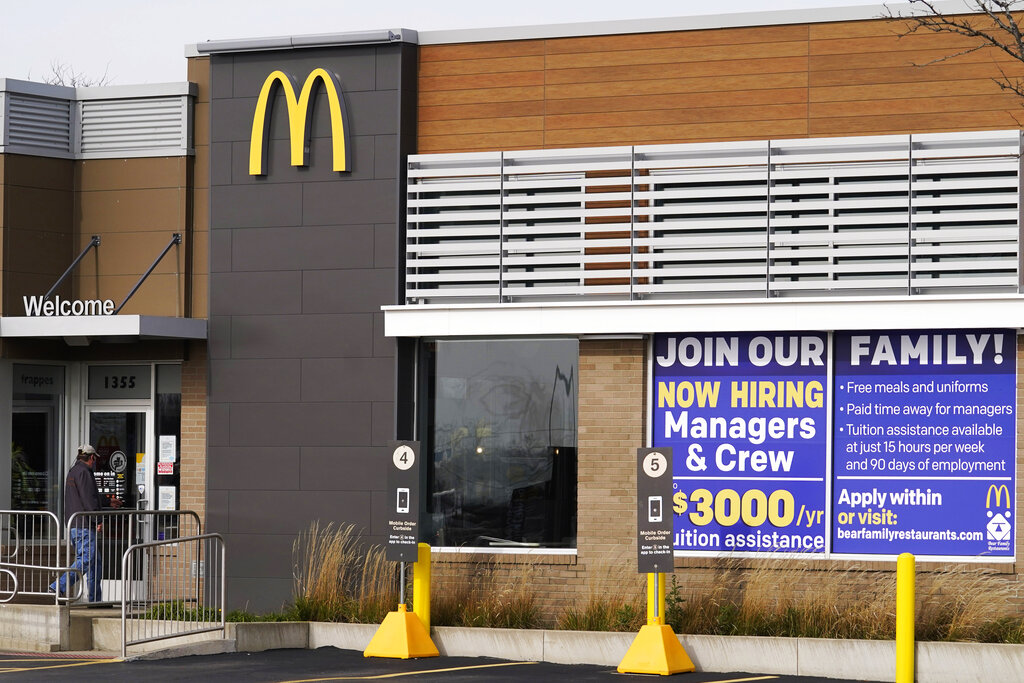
924	443
746	416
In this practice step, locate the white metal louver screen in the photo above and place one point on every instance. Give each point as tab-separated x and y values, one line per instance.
965	212
701	216
878	215
453	233
136	125
566	223
839	215
38	123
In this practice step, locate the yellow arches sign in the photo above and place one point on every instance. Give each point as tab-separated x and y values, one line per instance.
300	120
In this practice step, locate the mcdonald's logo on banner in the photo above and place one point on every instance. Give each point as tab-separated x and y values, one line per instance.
1000	492
300	119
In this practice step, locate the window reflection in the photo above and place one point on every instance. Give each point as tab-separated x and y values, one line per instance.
502	435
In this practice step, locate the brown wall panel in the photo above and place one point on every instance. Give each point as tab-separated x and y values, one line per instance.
844	78
38	210
131	210
160	294
135	206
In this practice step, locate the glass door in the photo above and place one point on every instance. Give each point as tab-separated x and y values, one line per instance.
122	437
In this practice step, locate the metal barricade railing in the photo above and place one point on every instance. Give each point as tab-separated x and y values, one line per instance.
113	532
172	588
31	553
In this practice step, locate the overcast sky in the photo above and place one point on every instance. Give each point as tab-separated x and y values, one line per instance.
143	41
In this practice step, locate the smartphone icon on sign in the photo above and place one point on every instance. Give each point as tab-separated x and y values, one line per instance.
403	500
654	508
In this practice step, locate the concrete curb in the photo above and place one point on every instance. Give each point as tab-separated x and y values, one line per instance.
867	660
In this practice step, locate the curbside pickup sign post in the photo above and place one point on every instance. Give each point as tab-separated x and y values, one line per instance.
654	510
656	649
402	635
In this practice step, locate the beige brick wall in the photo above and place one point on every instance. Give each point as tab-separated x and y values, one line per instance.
193	432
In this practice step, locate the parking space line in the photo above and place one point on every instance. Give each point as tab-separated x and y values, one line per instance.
406	673
744	680
22	669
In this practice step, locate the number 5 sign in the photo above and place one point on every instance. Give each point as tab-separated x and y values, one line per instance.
654	510
402	503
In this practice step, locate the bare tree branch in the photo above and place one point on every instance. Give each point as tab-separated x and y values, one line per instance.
1002	32
62	73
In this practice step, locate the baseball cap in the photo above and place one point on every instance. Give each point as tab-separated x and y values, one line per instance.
86	449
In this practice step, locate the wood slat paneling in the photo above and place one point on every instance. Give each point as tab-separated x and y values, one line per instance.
673	116
482	66
639	41
684	70
676	55
676	85
728	98
849	78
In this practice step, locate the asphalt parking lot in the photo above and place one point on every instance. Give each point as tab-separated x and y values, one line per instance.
331	664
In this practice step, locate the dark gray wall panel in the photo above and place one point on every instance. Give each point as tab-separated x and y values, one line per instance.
373	113
300	424
255	293
257	555
256	206
342	468
304	248
302	380
303	336
346	379
220	339
257	380
265	468
264	510
351	291
359	201
385	247
260	594
385	152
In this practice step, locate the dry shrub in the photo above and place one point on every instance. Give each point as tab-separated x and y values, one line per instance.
770	597
488	594
615	599
339	578
961	602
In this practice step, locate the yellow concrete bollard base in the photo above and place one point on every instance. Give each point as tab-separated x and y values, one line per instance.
656	650
401	636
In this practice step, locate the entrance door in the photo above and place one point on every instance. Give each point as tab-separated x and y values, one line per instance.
122	440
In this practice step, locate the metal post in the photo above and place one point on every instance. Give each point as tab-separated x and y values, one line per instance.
176	239
94	242
905	618
401	583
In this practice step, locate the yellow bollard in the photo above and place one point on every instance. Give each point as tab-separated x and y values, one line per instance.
421	585
659	618
905	618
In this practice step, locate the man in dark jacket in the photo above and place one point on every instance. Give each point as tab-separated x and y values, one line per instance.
81	495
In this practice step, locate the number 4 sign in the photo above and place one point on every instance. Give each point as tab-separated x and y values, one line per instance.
402	502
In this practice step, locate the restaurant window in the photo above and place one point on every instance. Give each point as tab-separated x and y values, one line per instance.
500	438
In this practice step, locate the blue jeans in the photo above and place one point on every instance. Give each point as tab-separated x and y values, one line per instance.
88	560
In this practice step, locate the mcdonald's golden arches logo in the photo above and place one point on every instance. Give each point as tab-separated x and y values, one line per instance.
1001	491
300	119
